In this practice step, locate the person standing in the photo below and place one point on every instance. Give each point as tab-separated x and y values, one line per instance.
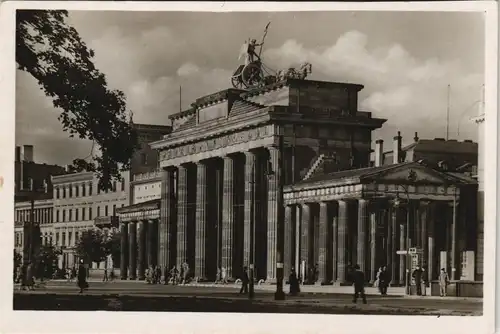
30	282
244	282
443	282
358	279
383	280
417	275
294	282
424	282
105	278
82	277
224	275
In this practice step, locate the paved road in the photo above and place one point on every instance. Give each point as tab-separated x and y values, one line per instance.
444	306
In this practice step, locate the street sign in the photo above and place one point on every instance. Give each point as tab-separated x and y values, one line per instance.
412	250
402	252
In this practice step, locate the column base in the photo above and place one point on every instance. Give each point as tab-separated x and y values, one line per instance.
132	278
141	278
279	295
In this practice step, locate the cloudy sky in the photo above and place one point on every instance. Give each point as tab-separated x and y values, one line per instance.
405	60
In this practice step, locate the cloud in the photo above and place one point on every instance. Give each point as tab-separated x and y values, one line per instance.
187	69
410	92
150	55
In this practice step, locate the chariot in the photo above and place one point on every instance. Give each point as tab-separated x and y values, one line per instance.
254	73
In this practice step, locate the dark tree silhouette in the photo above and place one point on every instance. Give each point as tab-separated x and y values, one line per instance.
55	55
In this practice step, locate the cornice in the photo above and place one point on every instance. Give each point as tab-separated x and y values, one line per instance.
75	177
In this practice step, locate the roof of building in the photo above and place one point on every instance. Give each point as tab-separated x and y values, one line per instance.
148	205
360	172
448	146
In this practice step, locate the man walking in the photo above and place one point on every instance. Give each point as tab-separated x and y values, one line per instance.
443	282
244	282
417	275
358	278
383	281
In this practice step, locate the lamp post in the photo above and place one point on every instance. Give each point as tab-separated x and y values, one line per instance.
412	177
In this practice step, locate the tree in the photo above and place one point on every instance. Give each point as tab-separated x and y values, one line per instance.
92	245
46	260
115	248
17	259
56	56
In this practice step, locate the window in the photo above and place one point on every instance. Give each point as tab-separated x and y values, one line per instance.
63	215
57	192
18	243
114	186
70	191
64	192
69	238
83	213
123	185
76	214
114	209
106	210
90	189
57	238
84	188
57	216
77	190
123	205
76	237
70	215
98	211
90	214
63	239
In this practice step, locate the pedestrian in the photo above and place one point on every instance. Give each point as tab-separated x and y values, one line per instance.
218	276
173	274
244	281
224	275
158	274
443	282
424	282
294	282
105	278
82	277
73	273
112	275
148	275
185	277
30	282
383	281
417	275
358	279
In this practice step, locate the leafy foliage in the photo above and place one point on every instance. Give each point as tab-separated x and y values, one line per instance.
46	260
56	56
96	245
17	259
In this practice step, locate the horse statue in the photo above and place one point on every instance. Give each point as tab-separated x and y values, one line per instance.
293	73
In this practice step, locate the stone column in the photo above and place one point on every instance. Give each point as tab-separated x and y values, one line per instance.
324	238
430	241
123	250
148	231
132	260
201	222
334	222
402	259
166	229
141	238
373	245
362	222
228	216
250	159
182	215
272	211
305	236
341	241
424	216
393	247
153	239
453	255
289	228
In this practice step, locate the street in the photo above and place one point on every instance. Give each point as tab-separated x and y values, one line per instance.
146	297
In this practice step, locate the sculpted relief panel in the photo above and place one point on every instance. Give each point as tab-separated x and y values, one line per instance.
216	143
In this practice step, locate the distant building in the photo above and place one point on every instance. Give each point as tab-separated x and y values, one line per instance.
446	155
80	205
27	172
43	212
